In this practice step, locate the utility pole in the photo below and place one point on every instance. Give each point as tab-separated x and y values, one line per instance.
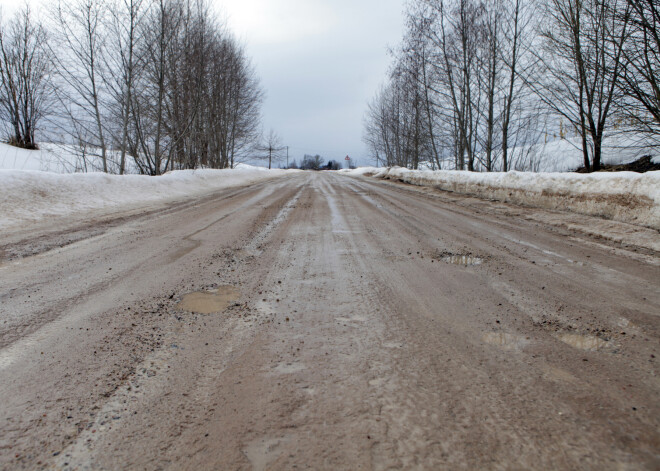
287	156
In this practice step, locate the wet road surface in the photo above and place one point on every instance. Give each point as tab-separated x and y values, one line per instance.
327	322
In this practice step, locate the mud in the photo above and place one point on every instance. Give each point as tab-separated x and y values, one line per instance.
338	338
209	302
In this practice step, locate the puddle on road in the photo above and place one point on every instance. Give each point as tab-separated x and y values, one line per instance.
209	302
583	342
465	260
505	341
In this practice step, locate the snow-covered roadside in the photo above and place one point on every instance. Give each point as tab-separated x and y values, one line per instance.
621	196
30	196
60	158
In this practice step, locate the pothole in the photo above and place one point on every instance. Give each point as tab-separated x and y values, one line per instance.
505	341
462	259
583	342
209	302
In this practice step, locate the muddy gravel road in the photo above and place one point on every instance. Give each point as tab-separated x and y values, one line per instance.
327	322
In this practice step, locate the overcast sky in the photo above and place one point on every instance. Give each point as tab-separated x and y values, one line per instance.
320	62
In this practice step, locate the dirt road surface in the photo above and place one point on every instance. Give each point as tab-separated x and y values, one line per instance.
320	321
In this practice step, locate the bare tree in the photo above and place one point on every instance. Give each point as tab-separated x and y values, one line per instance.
414	58
196	100
312	162
516	40
583	66
149	142
641	77
271	147
25	68
162	80
489	76
235	99
124	65
79	62
455	31
376	129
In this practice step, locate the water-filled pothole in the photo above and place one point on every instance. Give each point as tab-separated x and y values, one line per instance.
209	302
583	342
505	341
465	260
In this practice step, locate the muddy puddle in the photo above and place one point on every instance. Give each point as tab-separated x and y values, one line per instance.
465	260
583	342
505	341
209	302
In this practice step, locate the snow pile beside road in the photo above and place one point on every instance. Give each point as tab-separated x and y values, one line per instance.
28	196
621	196
367	171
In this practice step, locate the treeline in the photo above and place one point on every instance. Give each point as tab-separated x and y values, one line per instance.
316	162
154	84
475	79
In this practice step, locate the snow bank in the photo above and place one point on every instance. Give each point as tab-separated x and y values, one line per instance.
28	196
621	196
366	171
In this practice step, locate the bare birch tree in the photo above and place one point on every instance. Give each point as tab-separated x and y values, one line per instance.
124	65
25	68
583	67
80	35
641	74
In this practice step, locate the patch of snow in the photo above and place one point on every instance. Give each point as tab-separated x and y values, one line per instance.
366	171
60	158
